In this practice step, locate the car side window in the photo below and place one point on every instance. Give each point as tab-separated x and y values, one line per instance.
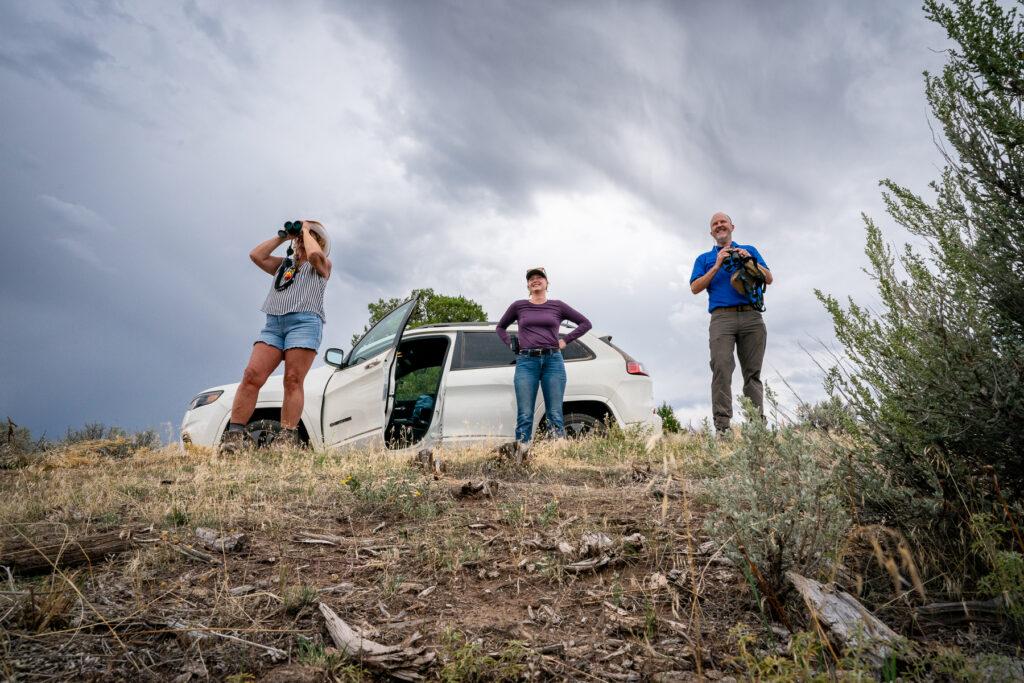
481	350
381	336
476	350
576	350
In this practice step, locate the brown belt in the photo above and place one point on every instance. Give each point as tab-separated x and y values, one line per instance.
735	309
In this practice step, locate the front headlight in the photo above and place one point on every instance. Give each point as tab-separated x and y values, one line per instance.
204	399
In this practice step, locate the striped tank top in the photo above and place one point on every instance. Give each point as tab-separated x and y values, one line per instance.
305	295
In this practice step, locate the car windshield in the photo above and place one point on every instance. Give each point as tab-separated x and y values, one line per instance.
381	336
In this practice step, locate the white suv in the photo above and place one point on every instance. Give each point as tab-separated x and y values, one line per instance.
440	384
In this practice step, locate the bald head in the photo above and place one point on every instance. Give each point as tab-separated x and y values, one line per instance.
721	229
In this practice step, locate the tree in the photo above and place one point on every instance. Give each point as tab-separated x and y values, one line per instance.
936	375
669	421
431	308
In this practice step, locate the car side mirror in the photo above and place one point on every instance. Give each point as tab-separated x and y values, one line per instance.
335	357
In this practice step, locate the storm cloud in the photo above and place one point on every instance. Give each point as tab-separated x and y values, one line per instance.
147	147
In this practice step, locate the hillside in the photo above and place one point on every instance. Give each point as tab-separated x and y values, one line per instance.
593	561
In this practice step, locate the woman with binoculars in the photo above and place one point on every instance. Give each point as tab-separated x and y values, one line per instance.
295	320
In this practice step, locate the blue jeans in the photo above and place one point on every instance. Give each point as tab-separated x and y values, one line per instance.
548	372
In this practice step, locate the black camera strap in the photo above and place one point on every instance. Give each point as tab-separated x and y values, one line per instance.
289	269
286	272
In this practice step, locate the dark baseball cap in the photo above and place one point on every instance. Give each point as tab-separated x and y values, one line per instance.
539	270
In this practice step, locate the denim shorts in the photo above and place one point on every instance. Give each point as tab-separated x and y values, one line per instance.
300	330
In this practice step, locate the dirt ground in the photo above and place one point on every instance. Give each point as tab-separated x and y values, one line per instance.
588	562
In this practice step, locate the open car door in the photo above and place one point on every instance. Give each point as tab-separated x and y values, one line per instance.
359	397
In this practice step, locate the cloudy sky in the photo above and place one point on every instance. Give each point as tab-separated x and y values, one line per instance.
145	147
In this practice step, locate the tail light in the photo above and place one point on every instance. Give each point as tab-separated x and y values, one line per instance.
635	368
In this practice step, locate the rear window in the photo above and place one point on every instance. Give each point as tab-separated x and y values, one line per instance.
576	350
475	350
481	350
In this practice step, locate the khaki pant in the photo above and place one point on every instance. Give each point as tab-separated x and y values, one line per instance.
744	331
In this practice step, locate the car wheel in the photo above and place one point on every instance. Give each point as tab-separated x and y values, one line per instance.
263	432
578	425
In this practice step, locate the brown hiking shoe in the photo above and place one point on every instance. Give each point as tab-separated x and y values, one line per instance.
233	441
287	440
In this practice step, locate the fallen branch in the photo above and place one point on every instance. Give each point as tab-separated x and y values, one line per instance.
399	661
964	611
593	563
322	539
23	557
201	632
847	619
193	553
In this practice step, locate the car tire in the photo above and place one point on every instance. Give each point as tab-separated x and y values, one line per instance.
262	432
578	425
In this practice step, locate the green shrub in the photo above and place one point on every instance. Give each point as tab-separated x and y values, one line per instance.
830	415
117	443
612	444
1006	576
669	421
396	496
935	373
465	660
779	497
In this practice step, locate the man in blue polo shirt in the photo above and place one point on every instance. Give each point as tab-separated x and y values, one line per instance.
735	324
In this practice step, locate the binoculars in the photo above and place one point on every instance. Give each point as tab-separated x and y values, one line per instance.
291	229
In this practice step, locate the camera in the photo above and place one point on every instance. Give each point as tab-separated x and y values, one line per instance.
291	229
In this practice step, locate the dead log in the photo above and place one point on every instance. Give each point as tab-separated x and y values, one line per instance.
399	661
40	556
963	612
218	543
848	620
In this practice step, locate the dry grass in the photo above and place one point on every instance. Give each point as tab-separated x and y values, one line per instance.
396	551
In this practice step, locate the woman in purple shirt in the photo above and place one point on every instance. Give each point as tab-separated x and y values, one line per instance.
539	353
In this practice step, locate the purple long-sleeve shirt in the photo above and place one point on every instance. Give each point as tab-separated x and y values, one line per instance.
539	323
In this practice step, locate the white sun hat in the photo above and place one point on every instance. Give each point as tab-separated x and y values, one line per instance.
324	235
